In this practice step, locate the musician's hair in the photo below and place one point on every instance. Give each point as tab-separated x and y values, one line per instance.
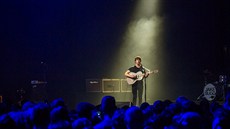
137	58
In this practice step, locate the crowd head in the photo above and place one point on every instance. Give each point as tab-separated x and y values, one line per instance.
161	114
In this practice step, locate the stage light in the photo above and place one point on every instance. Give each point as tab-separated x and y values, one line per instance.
143	37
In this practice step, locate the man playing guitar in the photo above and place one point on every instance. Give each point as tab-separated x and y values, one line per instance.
135	77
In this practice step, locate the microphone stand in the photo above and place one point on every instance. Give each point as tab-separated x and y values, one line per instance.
145	88
45	68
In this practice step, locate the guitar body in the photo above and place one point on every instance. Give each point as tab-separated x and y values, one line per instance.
139	75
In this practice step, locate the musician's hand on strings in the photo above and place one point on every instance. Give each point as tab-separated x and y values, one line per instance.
132	76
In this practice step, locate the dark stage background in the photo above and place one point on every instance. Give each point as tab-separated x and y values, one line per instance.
65	42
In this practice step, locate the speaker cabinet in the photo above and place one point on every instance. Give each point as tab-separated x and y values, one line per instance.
110	85
125	87
93	85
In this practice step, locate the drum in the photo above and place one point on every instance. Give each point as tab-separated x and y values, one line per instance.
213	92
222	79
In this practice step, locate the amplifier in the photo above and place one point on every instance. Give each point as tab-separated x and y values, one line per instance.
93	85
125	87
110	85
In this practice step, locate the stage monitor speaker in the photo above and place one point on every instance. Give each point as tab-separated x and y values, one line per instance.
125	87
122	104
110	85
93	85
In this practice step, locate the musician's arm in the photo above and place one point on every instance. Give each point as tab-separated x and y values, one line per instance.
129	75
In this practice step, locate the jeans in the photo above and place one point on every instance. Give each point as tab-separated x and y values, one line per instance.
137	90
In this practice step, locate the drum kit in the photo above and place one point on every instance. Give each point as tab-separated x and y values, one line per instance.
216	90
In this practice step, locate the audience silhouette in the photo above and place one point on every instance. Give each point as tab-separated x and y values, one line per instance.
181	114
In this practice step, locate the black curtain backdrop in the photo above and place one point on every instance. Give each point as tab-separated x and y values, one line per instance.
66	42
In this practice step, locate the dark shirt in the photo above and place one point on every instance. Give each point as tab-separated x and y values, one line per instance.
134	69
